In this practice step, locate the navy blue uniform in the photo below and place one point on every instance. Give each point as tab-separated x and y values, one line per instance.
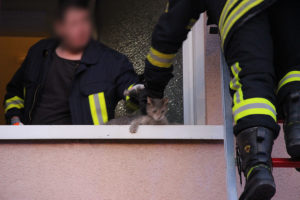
173	27
250	30
99	83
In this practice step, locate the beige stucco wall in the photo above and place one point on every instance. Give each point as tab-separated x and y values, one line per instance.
106	170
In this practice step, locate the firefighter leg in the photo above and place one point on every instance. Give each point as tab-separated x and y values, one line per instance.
285	23
250	55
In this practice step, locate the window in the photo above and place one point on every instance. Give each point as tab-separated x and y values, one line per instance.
129	35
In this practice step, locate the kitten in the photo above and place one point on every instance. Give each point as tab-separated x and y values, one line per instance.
156	115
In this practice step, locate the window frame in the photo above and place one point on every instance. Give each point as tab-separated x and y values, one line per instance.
194	109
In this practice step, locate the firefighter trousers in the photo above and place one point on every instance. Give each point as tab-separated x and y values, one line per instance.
264	59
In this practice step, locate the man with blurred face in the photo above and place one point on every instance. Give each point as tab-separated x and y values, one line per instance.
71	79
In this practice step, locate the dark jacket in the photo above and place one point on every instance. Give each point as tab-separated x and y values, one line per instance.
100	80
174	25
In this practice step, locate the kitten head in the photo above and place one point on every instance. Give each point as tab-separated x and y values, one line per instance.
157	108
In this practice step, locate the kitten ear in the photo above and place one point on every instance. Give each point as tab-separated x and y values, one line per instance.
166	101
149	100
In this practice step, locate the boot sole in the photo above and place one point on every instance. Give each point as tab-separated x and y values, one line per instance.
263	191
294	150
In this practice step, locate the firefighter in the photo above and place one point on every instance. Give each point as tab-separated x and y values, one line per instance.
260	41
71	79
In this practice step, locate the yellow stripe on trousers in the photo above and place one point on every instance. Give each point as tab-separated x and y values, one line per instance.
293	76
238	12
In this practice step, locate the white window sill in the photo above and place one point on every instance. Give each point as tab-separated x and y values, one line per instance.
178	132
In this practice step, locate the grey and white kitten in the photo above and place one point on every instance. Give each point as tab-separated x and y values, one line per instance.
156	115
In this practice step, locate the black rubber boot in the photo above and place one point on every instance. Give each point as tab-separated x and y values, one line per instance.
254	146
291	126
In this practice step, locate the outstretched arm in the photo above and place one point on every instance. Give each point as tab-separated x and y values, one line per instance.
169	34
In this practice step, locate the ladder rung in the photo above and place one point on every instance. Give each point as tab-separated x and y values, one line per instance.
285	162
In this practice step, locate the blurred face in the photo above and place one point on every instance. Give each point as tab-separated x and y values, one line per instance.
75	28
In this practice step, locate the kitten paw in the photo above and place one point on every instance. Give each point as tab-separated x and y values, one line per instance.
133	130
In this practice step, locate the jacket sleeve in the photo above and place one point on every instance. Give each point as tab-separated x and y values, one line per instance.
126	79
169	34
15	89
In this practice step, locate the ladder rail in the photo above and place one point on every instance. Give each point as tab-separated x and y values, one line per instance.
228	132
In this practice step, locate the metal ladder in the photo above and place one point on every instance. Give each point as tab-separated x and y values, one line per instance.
229	145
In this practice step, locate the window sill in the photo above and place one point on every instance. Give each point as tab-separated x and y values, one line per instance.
178	132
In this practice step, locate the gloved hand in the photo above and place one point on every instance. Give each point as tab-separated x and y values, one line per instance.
134	90
16	121
133	95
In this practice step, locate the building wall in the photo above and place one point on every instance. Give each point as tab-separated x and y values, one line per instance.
116	170
119	170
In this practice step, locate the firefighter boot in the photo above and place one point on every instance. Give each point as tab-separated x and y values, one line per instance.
291	126
254	147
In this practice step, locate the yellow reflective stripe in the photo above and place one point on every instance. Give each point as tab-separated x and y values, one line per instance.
157	63
128	97
167	7
14	102
229	4
236	69
98	108
160	59
252	168
254	106
161	55
236	14
235	84
254	111
15	98
191	24
93	110
103	107
18	106
288	78
238	96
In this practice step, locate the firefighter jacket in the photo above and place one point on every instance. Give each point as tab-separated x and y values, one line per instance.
99	83
175	23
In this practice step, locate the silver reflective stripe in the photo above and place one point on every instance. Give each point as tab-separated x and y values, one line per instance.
254	105
237	96
235	83
98	108
225	12
288	77
16	102
235	68
162	60
236	14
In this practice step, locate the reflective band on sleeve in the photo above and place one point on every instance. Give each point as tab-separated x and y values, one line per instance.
167	7
159	59
128	97
254	106
98	108
288	78
14	102
235	15
191	24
